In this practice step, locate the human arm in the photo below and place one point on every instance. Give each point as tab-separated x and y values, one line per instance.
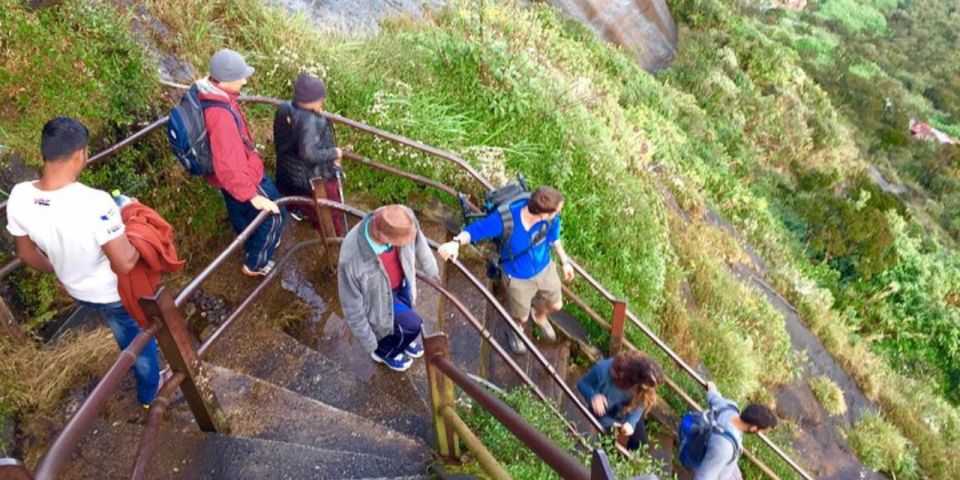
31	254
229	157
122	254
490	226
351	301
714	399
315	142
568	272
589	388
632	418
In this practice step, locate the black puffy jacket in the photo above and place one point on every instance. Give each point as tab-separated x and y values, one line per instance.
305	148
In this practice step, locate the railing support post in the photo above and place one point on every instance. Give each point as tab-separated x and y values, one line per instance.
616	327
325	219
181	355
600	468
441	393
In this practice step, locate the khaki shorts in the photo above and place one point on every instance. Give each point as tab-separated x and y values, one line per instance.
522	293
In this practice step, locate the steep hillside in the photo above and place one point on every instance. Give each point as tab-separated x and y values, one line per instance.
767	117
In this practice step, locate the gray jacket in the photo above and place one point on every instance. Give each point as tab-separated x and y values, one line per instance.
720	461
365	294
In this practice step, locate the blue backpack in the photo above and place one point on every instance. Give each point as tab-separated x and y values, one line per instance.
187	133
694	434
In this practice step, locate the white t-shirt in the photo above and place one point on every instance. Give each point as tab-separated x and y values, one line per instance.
69	225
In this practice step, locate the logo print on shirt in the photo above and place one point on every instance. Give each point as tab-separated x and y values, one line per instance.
43	202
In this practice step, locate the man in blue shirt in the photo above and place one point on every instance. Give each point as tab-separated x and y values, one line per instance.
530	278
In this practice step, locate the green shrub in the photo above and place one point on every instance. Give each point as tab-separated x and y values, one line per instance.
829	394
882	447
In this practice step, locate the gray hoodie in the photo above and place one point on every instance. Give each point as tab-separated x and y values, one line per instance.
720	461
365	294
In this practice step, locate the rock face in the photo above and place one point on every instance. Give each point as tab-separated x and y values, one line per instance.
643	27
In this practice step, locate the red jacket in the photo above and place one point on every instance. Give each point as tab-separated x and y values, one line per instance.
237	167
152	236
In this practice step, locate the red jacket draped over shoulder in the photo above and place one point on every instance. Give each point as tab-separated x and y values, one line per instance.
152	236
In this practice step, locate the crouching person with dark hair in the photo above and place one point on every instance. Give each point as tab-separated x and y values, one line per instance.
377	277
620	391
724	444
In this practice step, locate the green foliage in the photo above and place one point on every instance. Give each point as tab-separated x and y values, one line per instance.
854	16
521	462
882	447
77	59
829	394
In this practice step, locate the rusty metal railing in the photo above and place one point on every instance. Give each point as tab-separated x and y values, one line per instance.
464	165
60	451
442	374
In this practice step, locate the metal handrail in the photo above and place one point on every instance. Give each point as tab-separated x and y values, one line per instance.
464	165
554	456
486	335
59	453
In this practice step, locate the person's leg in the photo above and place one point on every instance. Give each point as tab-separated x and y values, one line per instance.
236	212
410	324
265	239
550	292
146	368
518	294
332	188
639	436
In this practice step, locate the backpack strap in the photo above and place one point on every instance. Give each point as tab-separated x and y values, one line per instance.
506	216
725	433
733	441
204	104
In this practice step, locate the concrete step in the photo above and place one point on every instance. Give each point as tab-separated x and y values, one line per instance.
383	396
257	409
109	452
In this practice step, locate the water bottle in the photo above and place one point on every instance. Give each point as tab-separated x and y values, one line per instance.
120	199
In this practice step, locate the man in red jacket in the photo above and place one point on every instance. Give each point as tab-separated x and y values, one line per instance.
237	167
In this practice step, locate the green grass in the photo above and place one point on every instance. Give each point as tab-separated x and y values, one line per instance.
752	119
883	448
78	60
829	394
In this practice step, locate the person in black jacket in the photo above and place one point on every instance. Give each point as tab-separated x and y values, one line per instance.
306	148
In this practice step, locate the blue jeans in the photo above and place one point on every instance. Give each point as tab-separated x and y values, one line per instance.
406	327
261	245
146	369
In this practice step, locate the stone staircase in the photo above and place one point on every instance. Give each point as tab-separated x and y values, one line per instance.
304	401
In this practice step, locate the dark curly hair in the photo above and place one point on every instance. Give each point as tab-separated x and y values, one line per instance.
635	372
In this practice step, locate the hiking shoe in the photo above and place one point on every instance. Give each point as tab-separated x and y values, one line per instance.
414	350
263	271
546	328
516	345
399	363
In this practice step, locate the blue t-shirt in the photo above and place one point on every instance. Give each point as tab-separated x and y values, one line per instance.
530	263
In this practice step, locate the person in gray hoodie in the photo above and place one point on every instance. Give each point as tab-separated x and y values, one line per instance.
723	451
377	280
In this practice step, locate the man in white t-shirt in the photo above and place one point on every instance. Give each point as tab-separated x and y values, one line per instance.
62	226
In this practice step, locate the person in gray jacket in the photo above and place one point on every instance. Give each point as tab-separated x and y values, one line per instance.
377	279
306	148
720	460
